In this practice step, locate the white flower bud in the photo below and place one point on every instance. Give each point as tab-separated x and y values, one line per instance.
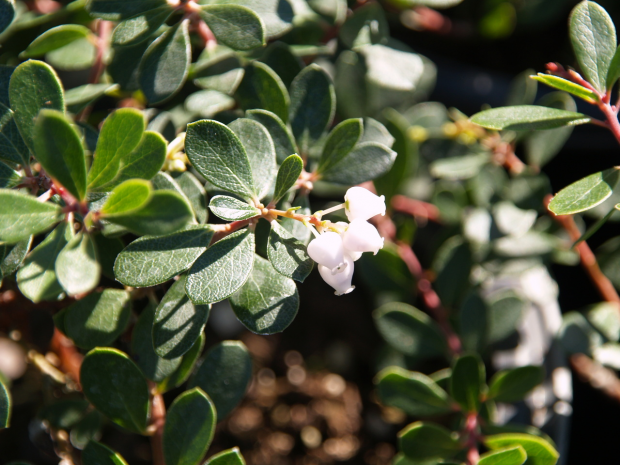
362	204
341	282
361	236
327	250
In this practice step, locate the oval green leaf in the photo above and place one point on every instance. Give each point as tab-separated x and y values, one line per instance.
527	118
149	261
539	451
224	375
414	393
586	193
280	134
55	38
268	302
367	161
509	456
227	457
116	387
77	268
288	174
178	322
467	382
98	319
513	385
97	454
262	88
22	215
424	441
222	269
139	28
127	198
231	209
287	254
341	140
234	25
189	429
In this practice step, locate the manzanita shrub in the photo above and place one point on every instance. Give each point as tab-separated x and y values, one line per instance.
157	157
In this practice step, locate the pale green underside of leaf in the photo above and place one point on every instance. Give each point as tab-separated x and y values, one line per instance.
231	209
586	193
21	216
527	118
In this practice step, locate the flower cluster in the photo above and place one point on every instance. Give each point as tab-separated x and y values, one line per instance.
340	244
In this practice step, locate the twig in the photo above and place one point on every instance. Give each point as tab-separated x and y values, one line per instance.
158	421
430	297
416	208
596	375
104	30
471	431
70	358
588	260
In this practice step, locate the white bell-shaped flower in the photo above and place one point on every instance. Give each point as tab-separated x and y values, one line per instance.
327	250
341	282
362	204
361	236
355	256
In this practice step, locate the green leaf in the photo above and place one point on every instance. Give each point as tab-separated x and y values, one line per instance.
268	302
78	98
473	323
7	14
280	57
224	375
231	209
127	198
280	134
586	193
527	118
116	10
539	451
189	429
299	230
5	406
288	255
288	174
36	279
512	385
614	70
341	140
577	334
453	264
276	15
120	135
178	322
222	269
458	168
152	365
77	268
371	17
34	86
196	194
423	441
144	162
149	261
188	362
523	89
414	393
595	227
12	146
367	161
165	213
55	38
21	216
98	319
218	155
115	386
227	457
236	26
313	105
505	311
57	146
593	36
567	86
509	456
262	88
467	381
207	103
409	330
260	151
139	28
165	64
97	454
123	69
76	56
12	256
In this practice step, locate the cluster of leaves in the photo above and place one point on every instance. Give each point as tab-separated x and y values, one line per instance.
269	140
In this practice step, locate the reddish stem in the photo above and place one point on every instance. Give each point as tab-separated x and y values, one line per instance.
70	358
416	208
430	297
588	260
158	421
471	431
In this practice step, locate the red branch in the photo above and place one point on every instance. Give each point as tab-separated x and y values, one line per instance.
588	260
416	208
70	358
158	421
